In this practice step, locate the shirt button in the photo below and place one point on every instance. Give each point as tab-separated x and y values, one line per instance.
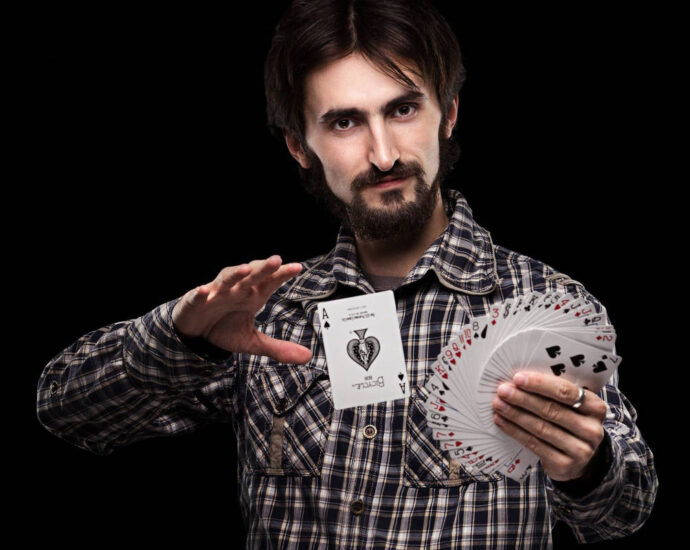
54	388
369	431
357	507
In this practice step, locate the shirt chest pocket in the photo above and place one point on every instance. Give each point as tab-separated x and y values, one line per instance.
288	412
426	465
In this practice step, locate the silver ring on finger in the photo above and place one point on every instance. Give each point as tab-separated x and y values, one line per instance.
580	399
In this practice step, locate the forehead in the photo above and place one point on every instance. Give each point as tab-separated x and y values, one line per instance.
354	82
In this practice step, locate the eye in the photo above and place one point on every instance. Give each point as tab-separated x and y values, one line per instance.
406	110
343	124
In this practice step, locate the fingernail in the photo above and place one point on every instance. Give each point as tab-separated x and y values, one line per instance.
498	420
505	390
520	379
500	405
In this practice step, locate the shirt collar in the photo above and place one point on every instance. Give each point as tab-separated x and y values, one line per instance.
462	258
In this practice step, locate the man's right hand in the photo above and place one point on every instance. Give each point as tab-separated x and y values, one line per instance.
222	311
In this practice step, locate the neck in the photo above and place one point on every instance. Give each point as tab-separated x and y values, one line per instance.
395	257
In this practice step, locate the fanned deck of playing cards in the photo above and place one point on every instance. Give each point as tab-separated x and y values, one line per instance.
551	332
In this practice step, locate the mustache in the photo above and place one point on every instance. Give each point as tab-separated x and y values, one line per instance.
399	171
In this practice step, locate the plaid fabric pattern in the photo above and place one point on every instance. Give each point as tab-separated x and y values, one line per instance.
308	476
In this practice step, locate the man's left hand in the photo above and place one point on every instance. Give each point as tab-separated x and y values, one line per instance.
536	410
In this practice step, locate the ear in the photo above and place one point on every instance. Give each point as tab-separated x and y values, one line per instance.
451	117
296	149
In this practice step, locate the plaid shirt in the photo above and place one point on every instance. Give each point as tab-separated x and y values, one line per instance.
371	476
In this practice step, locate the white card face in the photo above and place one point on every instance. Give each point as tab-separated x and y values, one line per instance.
552	332
364	352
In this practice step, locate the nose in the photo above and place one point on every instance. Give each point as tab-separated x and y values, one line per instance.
383	152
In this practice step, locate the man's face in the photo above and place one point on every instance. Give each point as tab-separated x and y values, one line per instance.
375	142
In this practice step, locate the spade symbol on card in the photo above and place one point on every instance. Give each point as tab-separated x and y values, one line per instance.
401	377
600	366
577	360
553	351
558	369
363	350
326	325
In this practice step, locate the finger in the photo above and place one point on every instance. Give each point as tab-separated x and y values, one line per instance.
262	269
535	444
197	295
557	464
578	438
276	280
283	351
561	390
230	276
586	427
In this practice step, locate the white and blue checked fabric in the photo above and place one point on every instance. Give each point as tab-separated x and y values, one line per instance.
308	477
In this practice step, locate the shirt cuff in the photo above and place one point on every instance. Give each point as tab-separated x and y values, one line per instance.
583	503
158	361
205	349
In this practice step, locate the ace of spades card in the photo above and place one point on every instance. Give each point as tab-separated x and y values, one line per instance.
364	352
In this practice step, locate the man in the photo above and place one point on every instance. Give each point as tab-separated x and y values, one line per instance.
365	95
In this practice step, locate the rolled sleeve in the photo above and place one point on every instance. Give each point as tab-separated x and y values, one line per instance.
129	381
158	360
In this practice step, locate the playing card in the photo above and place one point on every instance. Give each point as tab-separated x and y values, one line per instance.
579	361
552	332
364	353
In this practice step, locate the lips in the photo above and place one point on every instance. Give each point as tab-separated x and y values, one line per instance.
387	182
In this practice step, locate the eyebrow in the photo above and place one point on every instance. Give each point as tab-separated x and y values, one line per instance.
353	112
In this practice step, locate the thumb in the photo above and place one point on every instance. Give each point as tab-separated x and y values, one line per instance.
283	351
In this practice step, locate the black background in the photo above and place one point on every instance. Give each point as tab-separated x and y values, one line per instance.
149	168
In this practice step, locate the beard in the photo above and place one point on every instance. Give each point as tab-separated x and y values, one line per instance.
397	218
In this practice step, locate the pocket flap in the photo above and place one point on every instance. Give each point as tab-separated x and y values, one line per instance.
285	384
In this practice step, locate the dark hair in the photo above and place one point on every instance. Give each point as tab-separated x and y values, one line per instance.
312	33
